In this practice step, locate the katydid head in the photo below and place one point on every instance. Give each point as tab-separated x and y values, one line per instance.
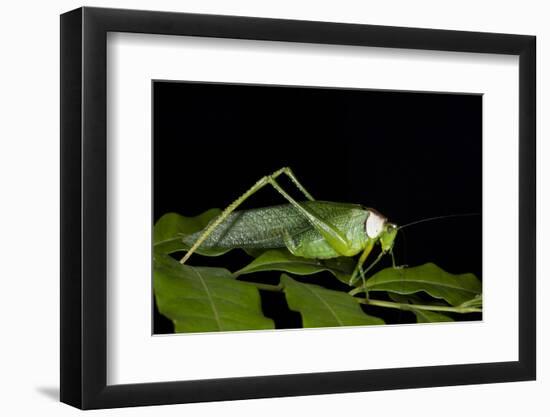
387	237
379	229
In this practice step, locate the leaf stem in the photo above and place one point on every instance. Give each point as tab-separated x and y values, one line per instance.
401	306
356	291
381	303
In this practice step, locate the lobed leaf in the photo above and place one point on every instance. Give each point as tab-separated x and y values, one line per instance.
320	307
453	288
172	227
201	299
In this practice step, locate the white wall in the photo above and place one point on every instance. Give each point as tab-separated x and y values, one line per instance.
29	173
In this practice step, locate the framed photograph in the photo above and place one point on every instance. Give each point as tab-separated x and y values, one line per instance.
258	208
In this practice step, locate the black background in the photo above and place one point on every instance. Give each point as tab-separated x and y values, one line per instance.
409	155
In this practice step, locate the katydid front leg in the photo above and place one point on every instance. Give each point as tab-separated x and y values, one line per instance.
359	266
363	272
378	258
335	238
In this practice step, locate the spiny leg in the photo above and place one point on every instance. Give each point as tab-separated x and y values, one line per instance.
337	240
365	271
394	265
300	187
329	232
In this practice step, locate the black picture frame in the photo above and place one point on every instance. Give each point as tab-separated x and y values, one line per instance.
84	207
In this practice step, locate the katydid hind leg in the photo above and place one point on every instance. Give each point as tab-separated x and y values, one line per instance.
331	234
336	239
290	174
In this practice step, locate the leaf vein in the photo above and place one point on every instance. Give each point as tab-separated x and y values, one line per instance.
214	309
186	297
327	306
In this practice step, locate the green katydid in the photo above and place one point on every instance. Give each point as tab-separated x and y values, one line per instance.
310	229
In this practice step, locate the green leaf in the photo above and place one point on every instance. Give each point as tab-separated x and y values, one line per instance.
253	252
425	316
422	316
200	299
281	260
320	307
172	227
455	289
414	299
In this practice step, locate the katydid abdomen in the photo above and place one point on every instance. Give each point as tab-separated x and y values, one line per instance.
283	226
